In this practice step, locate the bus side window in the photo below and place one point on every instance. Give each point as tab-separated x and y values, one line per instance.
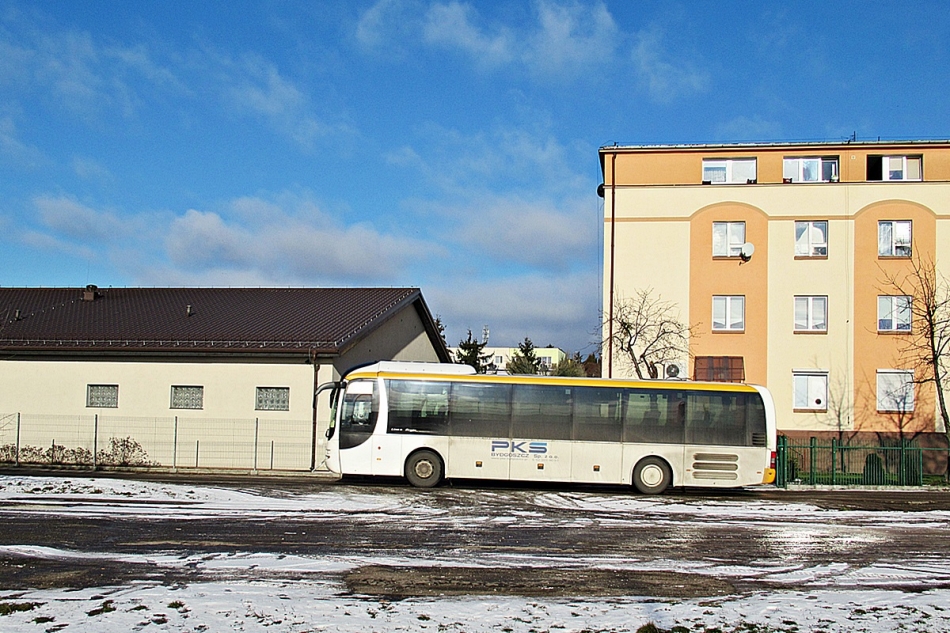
541	412
481	410
597	414
716	418
418	406
653	415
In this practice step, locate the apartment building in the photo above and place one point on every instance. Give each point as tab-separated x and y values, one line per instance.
779	256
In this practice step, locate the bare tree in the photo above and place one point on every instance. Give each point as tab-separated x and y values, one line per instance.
647	330
927	350
839	410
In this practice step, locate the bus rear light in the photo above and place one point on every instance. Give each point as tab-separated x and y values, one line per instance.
772	460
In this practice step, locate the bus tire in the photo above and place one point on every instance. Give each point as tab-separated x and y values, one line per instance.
652	475
424	469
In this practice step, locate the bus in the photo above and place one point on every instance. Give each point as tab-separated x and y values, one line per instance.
429	422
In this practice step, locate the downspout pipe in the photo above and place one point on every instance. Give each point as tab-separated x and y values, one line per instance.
613	234
313	432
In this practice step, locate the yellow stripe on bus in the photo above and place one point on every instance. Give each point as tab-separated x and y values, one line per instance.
528	379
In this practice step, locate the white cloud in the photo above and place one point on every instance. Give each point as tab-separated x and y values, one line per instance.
557	310
570	38
90	169
45	242
665	78
290	242
255	87
76	221
565	40
381	23
529	232
513	196
15	152
500	159
451	26
90	79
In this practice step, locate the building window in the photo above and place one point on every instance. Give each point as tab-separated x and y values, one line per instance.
719	368
810	390
895	390
893	238
102	396
811	314
811	239
893	314
728	170
728	238
273	399
187	397
728	314
895	168
810	169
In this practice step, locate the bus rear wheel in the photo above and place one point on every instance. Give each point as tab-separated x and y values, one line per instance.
652	476
424	469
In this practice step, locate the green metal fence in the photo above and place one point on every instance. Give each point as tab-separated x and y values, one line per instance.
833	463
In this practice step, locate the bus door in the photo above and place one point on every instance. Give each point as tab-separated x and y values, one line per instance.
541	431
598	432
358	416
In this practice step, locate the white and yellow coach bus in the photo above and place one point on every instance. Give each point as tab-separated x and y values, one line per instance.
428	422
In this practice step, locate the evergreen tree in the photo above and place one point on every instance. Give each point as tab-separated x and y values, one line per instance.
440	327
524	361
592	366
470	353
569	367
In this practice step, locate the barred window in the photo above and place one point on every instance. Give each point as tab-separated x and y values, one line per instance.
719	368
102	396
187	397
273	399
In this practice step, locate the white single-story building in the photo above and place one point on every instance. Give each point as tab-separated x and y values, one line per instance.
191	377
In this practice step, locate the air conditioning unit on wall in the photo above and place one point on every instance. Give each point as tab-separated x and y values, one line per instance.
675	370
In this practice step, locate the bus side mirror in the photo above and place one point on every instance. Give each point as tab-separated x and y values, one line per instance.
330	432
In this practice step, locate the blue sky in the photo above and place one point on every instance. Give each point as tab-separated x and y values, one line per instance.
440	144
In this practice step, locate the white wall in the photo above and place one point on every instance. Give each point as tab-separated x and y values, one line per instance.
44	402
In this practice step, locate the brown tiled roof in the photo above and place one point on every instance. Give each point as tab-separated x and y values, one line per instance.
288	321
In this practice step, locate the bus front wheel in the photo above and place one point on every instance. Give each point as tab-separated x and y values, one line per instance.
652	476
424	469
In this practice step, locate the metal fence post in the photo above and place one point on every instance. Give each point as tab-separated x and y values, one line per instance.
901	478
257	422
175	447
18	439
95	440
834	460
781	464
812	447
197	443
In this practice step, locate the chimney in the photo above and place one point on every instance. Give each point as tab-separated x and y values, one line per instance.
90	293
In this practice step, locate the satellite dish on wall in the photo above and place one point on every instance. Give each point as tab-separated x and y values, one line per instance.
745	254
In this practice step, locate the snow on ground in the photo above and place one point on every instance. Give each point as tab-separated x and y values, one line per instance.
313	606
835	602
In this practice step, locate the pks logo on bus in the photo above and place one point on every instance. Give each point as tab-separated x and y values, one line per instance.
534	448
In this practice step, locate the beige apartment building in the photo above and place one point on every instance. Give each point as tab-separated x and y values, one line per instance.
778	255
